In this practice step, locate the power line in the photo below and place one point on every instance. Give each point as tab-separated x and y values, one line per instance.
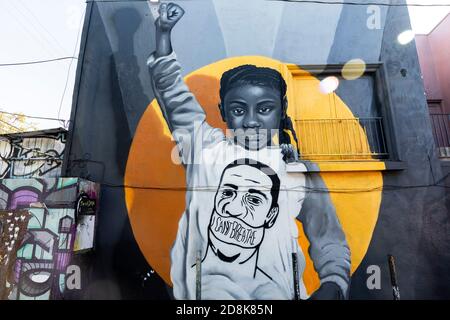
36	62
302	189
32	117
29	31
373	3
42	26
34	28
351	3
70	66
292	1
314	190
8	124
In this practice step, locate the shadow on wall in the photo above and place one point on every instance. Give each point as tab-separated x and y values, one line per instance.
121	272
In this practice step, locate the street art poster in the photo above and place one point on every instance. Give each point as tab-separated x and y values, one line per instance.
41	232
84	239
243	219
34	154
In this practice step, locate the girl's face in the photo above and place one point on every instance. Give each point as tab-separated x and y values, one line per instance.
254	114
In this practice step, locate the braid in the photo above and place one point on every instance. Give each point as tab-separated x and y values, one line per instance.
285	138
289	126
283	135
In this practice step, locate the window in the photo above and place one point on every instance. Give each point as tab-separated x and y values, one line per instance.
440	124
350	124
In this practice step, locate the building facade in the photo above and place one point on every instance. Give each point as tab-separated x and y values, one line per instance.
434	51
369	137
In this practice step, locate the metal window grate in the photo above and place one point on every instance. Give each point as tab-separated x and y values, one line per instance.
441	132
342	139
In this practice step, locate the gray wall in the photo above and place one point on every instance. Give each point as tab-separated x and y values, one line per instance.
113	90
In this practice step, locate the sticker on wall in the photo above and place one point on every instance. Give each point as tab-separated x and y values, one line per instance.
86	205
84	238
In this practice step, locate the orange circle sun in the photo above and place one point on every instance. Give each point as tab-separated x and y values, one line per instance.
155	207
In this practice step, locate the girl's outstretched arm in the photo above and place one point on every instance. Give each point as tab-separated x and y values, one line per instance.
184	115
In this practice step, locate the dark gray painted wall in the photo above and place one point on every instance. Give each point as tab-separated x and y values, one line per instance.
113	90
413	224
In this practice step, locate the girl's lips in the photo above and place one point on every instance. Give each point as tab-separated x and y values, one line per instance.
252	135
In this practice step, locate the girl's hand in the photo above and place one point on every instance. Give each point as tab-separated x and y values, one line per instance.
289	153
327	291
169	15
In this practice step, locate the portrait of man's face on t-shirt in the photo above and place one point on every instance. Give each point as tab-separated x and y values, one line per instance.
245	205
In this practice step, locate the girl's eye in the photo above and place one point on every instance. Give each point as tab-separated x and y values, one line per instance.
264	110
238	111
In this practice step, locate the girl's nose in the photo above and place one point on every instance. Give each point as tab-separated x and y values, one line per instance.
252	123
251	120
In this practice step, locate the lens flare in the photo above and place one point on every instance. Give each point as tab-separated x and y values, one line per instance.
406	37
353	69
329	85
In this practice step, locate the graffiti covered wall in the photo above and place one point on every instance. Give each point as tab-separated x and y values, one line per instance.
33	154
379	196
44	223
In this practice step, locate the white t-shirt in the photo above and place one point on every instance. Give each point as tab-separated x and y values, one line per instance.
274	276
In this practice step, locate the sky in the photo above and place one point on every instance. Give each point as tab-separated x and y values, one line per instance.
424	19
33	30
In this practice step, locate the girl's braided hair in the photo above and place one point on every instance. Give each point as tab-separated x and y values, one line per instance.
259	76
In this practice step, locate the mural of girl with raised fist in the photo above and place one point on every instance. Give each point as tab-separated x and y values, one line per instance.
241	204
